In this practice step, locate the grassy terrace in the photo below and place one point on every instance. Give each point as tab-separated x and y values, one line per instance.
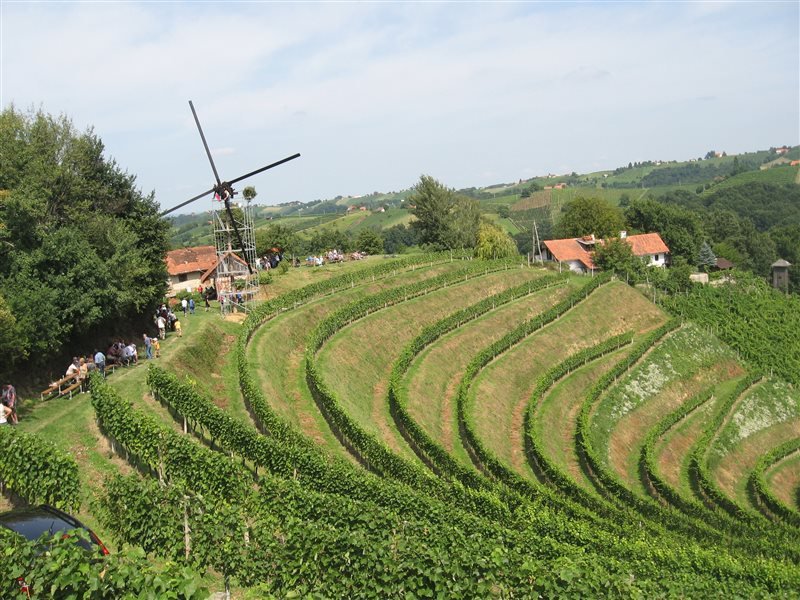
503	388
682	365
784	480
356	361
276	353
672	450
555	417
432	380
766	417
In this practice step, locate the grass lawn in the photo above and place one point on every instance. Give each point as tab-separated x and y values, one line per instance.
784	480
672	450
297	277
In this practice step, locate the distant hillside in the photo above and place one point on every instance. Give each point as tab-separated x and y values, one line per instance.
515	206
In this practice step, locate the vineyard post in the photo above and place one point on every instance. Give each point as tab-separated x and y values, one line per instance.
187	539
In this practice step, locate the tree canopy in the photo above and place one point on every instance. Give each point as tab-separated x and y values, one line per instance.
494	243
587	216
81	248
445	220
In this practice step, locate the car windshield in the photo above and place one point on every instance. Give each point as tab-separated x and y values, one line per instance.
32	523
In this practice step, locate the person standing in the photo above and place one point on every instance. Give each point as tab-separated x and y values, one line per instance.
184	306
191	306
9	396
100	362
177	326
207	303
148	346
162	326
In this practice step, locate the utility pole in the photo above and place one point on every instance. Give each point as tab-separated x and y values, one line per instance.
536	242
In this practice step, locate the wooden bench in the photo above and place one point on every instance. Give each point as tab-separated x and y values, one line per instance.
64	386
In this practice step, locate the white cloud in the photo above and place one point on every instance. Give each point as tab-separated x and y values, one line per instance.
375	94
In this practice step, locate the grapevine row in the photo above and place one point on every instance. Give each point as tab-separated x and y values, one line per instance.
365	446
700	477
428	449
36	471
761	492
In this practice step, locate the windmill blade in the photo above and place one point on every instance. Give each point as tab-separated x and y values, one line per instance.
238	235
205	144
182	204
262	169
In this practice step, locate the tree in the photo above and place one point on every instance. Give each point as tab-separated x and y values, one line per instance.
616	255
249	193
82	248
369	241
680	228
494	243
277	236
399	237
444	219
587	216
706	258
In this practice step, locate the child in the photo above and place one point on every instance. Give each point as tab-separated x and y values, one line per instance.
156	346
177	326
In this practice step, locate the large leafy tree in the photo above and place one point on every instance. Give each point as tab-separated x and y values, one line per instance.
81	248
369	241
616	255
494	243
680	228
277	236
445	220
587	216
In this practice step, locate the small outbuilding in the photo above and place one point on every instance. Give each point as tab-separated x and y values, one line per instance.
780	274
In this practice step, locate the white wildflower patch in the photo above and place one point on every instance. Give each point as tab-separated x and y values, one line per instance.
646	383
770	405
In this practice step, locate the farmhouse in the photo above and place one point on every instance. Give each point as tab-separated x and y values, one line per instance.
576	253
189	268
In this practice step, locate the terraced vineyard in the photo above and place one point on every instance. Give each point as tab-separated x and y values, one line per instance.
437	427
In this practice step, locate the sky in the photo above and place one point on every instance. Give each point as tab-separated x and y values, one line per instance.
375	94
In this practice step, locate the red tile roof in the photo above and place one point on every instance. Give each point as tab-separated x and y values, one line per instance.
569	249
647	243
191	260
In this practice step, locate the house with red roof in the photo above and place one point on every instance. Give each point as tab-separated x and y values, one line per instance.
189	268
576	253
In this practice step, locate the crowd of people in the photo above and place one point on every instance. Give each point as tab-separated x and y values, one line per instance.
120	353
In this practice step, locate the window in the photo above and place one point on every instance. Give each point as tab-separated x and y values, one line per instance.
182	277
658	257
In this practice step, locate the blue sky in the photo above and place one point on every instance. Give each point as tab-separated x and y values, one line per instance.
375	94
